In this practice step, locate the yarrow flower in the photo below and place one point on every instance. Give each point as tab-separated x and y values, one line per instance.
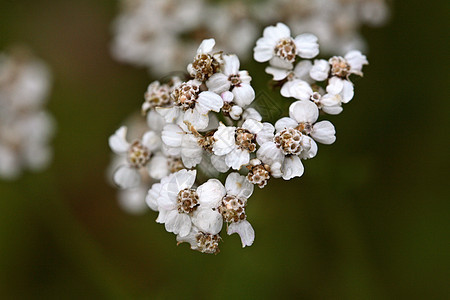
203	127
145	31
26	127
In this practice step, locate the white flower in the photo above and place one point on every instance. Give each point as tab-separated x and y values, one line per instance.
182	144
330	104
231	79
277	43
201	241
161	165
25	127
138	155
232	207
236	144
191	105
320	70
292	140
338	69
176	202
205	63
182	206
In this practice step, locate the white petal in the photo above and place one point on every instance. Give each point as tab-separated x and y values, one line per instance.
309	148
332	110
238	185
302	70
219	163
252	125
185	179
191	152
292	167
195	118
264	50
162	216
245	231
225	140
118	142
277	73
300	89
133	200
227	96
155	121
356	60
269	153
324	132
151	140
127	177
251	113
286	89
206	46
245	76
236	112
335	85
277	32
281	63
320	70
158	166
237	158
243	94
152	196
172	135
208	101
208	220
170	114
330	100
231	65
218	83
307	46
266	134
304	111
210	193
178	223
347	91
166	203
285	123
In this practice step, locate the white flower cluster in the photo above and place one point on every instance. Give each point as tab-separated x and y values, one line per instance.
336	23
25	126
203	126
147	30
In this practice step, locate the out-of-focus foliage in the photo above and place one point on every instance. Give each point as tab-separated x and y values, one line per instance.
369	219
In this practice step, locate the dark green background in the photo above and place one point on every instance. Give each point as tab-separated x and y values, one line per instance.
368	220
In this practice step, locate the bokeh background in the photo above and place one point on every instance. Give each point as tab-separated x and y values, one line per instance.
368	220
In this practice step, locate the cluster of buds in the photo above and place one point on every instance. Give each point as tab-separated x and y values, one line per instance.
205	125
25	126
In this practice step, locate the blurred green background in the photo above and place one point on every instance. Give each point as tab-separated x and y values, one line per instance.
368	220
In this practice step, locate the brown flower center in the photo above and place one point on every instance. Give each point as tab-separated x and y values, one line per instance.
289	141
186	95
286	49
235	80
187	201
232	209
204	66
259	174
157	96
245	140
208	243
339	67
138	155
175	164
